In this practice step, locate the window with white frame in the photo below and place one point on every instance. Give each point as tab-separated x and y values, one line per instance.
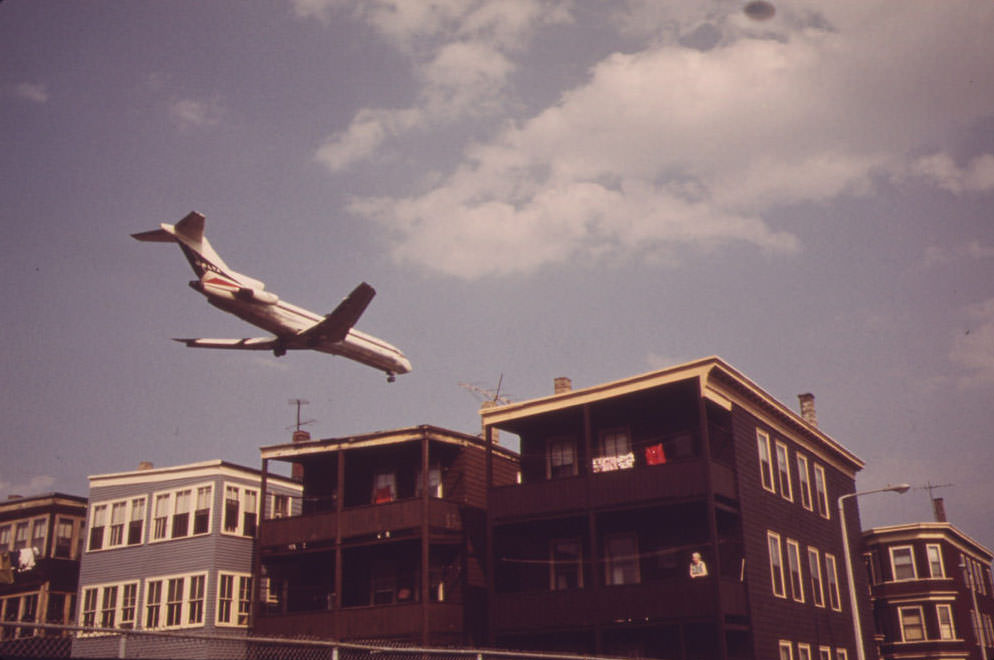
935	567
384	486
824	653
821	491
621	560
4	538
98	522
181	513
804	482
112	605
944	613
776	564
794	568
21	530
279	505
241	509
39	534
175	601
560	458
803	651
234	599
832	583
902	563
783	471
814	573
136	521
566	564
841	654
434	481
786	650
765	460
912	623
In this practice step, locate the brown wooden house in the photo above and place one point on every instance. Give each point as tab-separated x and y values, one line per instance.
683	513
933	596
389	541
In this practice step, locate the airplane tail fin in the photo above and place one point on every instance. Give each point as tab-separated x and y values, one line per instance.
189	233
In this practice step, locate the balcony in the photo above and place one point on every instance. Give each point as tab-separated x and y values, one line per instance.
360	521
675	599
389	621
684	479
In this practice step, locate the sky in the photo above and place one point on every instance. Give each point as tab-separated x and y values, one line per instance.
535	189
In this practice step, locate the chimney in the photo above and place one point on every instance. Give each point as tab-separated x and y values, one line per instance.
808	408
939	508
297	470
145	465
562	384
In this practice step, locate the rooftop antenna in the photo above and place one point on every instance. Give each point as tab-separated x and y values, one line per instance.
491	397
299	403
938	506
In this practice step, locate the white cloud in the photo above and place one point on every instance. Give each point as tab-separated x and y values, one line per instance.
671	146
973	348
34	92
937	255
193	113
976	176
33	486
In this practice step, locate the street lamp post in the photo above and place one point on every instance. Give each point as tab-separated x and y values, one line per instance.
899	488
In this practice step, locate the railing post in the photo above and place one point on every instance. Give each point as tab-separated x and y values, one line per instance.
122	646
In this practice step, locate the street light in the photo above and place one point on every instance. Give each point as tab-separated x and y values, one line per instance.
899	488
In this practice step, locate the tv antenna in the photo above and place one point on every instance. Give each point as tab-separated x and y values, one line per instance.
938	506
492	397
299	403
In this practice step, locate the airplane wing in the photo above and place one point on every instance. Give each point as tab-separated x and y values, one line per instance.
336	325
249	344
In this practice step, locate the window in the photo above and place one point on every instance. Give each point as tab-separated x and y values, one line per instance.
202	512
175	601
824	653
944	612
560	458
814	571
804	483
234	599
912	623
5	538
161	516
786	650
39	532
832	583
279	505
803	652
821	492
98	519
776	564
115	524
566	564
783	471
622	563
384	487
615	449
241	510
136	524
181	513
841	654
765	462
21	535
794	567
434	482
935	567
63	538
902	563
110	605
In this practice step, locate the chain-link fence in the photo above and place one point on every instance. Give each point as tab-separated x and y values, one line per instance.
31	640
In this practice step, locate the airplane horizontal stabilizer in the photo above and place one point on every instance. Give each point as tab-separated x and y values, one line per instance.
248	344
155	236
336	325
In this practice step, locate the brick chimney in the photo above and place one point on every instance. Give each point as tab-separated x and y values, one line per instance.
808	408
562	384
939	508
297	471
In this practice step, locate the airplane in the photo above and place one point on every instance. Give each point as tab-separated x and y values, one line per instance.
294	328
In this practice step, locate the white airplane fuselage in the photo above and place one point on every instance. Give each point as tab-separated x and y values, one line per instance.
293	327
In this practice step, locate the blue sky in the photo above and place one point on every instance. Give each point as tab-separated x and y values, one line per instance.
536	189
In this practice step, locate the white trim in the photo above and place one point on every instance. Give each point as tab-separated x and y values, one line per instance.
785	644
942	563
766	473
893	568
817	596
185	602
793	545
783	469
821	493
100	605
804	481
191	512
832	582
921	622
952	621
236	602
773	536
107	533
243	508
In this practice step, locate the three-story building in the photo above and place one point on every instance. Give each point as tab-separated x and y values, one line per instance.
683	513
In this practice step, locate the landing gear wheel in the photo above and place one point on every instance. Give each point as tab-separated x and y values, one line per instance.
279	350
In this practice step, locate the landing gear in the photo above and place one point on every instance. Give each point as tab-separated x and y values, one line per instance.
391	377
279	350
